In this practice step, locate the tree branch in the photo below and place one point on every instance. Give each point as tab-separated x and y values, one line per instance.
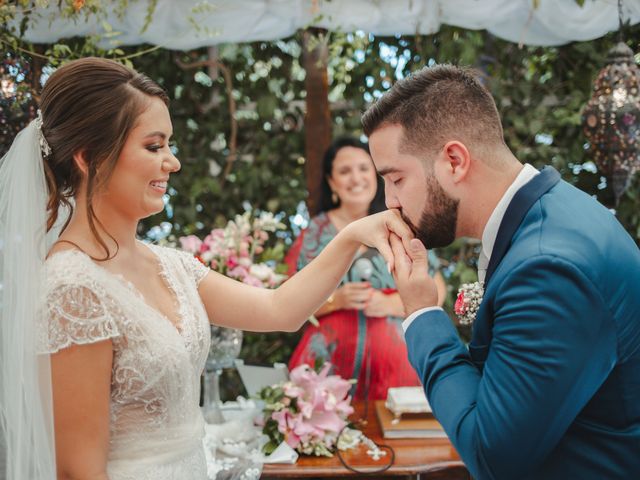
214	63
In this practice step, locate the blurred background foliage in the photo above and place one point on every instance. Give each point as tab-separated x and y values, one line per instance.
240	138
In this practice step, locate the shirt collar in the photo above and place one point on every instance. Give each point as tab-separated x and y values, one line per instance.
493	224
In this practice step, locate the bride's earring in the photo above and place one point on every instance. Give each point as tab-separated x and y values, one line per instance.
334	197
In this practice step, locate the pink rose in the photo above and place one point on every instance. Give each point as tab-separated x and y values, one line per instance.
191	244
214	240
232	262
253	281
460	307
238	272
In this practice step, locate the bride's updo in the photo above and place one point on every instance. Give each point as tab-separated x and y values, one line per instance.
89	106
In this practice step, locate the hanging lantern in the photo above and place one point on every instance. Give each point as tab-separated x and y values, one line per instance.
611	119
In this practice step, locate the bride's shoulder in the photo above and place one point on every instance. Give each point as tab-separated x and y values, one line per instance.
68	265
168	252
74	285
67	255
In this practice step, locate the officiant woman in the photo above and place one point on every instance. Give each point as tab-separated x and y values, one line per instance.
359	328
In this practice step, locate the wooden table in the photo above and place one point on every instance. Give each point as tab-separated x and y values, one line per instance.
424	458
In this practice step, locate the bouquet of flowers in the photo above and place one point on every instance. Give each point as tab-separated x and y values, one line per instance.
308	412
239	250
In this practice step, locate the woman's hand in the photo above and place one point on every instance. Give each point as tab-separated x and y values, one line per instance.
374	231
416	288
384	305
352	295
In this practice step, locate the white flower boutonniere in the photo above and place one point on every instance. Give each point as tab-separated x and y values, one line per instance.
468	302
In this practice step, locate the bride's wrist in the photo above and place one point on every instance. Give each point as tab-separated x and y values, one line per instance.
349	236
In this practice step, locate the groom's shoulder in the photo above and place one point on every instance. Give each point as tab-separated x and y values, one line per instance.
567	223
567	214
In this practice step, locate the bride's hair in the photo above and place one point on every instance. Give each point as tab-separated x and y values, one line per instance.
89	106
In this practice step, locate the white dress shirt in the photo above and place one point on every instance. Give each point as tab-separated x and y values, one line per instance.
489	233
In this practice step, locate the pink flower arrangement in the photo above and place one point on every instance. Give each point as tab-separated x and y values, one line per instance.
239	250
308	412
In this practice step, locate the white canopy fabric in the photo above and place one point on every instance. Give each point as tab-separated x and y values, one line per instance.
550	22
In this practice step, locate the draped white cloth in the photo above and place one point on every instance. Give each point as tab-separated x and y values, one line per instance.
551	22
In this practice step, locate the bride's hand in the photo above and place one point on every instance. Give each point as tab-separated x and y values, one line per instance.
373	231
416	288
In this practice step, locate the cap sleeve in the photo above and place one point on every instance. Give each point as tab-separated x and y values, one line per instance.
194	267
77	314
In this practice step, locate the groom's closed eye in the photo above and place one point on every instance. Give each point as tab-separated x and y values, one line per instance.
386	171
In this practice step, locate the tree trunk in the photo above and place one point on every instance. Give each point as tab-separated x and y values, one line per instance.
317	122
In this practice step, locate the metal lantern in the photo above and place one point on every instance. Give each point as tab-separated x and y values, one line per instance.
611	118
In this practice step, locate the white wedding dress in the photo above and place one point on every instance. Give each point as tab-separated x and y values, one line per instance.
156	425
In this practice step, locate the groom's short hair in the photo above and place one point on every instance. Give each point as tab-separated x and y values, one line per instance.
438	104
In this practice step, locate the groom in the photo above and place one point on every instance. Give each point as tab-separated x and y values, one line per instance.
549	387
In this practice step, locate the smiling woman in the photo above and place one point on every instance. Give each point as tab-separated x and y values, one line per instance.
139	179
88	109
359	325
118	311
123	325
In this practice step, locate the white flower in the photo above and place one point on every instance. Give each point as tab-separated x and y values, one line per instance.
261	271
214	168
207	256
468	302
268	223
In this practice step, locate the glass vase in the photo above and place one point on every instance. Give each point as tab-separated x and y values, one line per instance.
225	348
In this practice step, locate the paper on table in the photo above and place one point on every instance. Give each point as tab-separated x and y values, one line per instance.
256	377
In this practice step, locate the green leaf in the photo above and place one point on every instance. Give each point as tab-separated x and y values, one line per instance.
269	447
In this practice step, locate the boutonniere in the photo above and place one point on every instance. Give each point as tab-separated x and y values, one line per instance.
468	302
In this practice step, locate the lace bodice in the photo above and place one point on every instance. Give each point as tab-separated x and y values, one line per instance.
156	424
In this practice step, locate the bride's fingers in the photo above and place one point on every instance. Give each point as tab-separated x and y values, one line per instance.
402	260
395	224
384	248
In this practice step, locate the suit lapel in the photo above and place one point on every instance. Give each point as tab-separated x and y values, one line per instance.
522	201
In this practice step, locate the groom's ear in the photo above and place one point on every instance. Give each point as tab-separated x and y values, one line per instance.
457	160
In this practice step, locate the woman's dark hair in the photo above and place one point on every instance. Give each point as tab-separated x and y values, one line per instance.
326	203
89	105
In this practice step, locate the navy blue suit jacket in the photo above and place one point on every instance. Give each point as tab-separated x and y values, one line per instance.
549	387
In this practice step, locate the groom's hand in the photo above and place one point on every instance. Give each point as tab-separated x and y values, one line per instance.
375	230
417	289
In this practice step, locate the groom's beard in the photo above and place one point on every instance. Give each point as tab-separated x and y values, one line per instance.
437	226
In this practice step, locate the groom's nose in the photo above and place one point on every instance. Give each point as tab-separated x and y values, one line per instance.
389	198
392	201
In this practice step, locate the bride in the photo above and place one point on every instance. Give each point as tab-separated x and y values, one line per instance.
122	325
